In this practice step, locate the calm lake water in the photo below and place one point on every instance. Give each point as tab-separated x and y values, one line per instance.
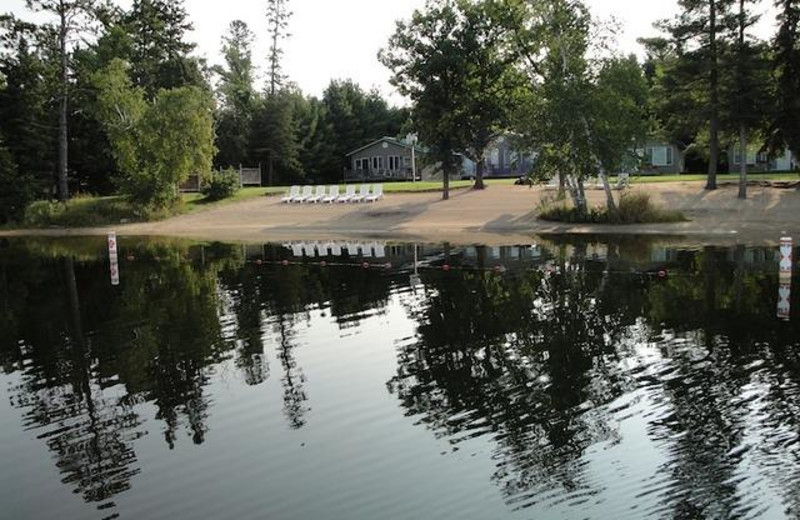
556	380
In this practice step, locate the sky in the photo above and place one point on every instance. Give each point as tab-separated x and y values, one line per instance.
341	38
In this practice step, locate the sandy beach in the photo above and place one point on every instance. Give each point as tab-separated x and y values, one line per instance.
498	215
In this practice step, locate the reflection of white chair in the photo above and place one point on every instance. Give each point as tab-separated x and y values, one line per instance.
362	194
309	249
352	248
297	249
380	250
349	193
294	191
377	193
336	249
317	195
322	249
308	191
333	194
366	250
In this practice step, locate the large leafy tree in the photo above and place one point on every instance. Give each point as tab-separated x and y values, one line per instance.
697	32
584	114
236	94
785	128
157	144
74	16
274	137
449	60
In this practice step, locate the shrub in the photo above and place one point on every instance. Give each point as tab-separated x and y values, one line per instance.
633	208
223	184
636	208
84	212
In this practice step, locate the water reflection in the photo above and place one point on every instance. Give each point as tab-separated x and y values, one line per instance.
545	355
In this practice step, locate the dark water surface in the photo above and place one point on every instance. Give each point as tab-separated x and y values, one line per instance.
565	380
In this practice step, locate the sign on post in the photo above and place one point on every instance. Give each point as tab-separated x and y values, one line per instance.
113	258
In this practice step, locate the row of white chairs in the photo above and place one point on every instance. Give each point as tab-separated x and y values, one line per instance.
312	249
331	194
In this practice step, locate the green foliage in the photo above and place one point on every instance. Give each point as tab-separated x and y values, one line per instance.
784	129
16	188
156	145
222	185
273	137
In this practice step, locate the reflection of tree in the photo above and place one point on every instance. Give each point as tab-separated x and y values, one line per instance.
89	430
519	357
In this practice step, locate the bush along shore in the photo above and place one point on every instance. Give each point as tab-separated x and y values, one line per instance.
633	208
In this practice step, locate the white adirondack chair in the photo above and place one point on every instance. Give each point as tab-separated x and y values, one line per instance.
317	195
380	249
294	191
349	193
377	193
362	194
624	181
308	191
333	194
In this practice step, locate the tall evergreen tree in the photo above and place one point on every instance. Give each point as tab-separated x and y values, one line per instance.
159	52
697	33
236	94
278	15
785	128
29	101
744	87
73	17
274	137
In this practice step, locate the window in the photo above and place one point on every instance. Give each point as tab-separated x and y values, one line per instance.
495	157
362	164
377	163
660	155
394	162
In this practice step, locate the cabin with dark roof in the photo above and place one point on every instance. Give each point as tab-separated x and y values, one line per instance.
388	159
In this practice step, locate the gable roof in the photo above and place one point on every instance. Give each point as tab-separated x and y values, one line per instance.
390	140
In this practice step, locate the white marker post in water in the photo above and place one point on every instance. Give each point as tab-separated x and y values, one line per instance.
113	258
785	280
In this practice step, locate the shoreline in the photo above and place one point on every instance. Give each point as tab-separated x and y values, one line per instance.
497	215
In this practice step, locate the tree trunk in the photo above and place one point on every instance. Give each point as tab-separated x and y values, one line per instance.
63	146
271	170
743	162
479	167
610	203
445	184
714	92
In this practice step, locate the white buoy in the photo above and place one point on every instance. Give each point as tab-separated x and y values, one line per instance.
785	280
113	258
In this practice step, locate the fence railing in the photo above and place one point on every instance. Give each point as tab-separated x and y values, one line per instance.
247	177
378	174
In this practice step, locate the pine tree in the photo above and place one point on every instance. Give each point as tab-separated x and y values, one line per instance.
697	33
785	130
744	87
237	95
278	22
73	17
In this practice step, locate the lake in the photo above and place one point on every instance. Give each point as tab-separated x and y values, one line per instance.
564	378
